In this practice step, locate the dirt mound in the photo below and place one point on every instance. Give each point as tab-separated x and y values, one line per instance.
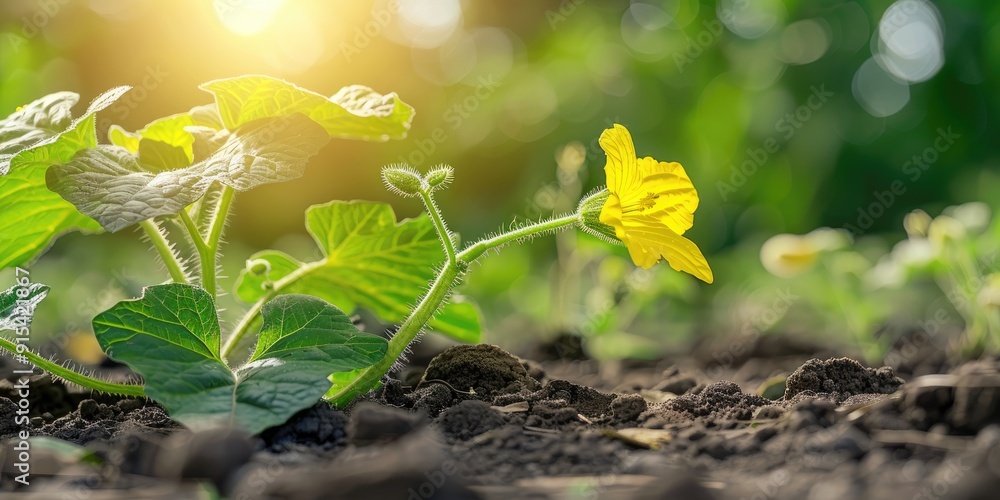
723	400
840	378
484	370
963	402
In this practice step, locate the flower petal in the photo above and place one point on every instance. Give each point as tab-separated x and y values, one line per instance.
622	174
611	214
675	198
648	239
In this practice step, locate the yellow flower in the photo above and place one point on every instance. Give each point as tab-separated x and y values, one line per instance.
650	205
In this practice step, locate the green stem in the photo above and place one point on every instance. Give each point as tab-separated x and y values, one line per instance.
72	376
446	280
443	234
214	236
193	231
251	315
208	248
206	258
412	326
477	249
162	246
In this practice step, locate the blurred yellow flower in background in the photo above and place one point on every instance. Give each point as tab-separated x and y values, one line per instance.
650	205
787	255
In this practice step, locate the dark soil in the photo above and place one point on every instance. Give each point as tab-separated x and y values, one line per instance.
481	423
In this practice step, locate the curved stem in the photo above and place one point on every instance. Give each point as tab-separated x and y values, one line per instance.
446	280
480	247
409	330
214	235
72	376
244	325
208	248
192	229
251	315
443	234
162	246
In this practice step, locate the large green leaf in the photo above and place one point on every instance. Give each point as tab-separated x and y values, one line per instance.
170	336
369	260
32	140
109	184
355	112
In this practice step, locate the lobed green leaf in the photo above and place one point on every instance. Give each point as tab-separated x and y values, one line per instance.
31	140
171	337
369	260
355	112
109	184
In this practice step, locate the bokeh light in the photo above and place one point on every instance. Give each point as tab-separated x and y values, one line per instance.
246	17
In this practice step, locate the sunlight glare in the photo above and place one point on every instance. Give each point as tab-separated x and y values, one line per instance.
247	17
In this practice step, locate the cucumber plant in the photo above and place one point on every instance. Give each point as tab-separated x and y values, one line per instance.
178	177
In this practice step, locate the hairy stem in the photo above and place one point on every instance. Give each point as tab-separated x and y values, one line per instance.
480	247
443	234
203	251
214	236
408	331
72	376
162	246
248	320
446	279
208	246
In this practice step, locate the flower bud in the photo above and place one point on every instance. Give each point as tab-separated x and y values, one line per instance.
589	211
944	229
258	267
787	255
439	177
916	224
402	180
